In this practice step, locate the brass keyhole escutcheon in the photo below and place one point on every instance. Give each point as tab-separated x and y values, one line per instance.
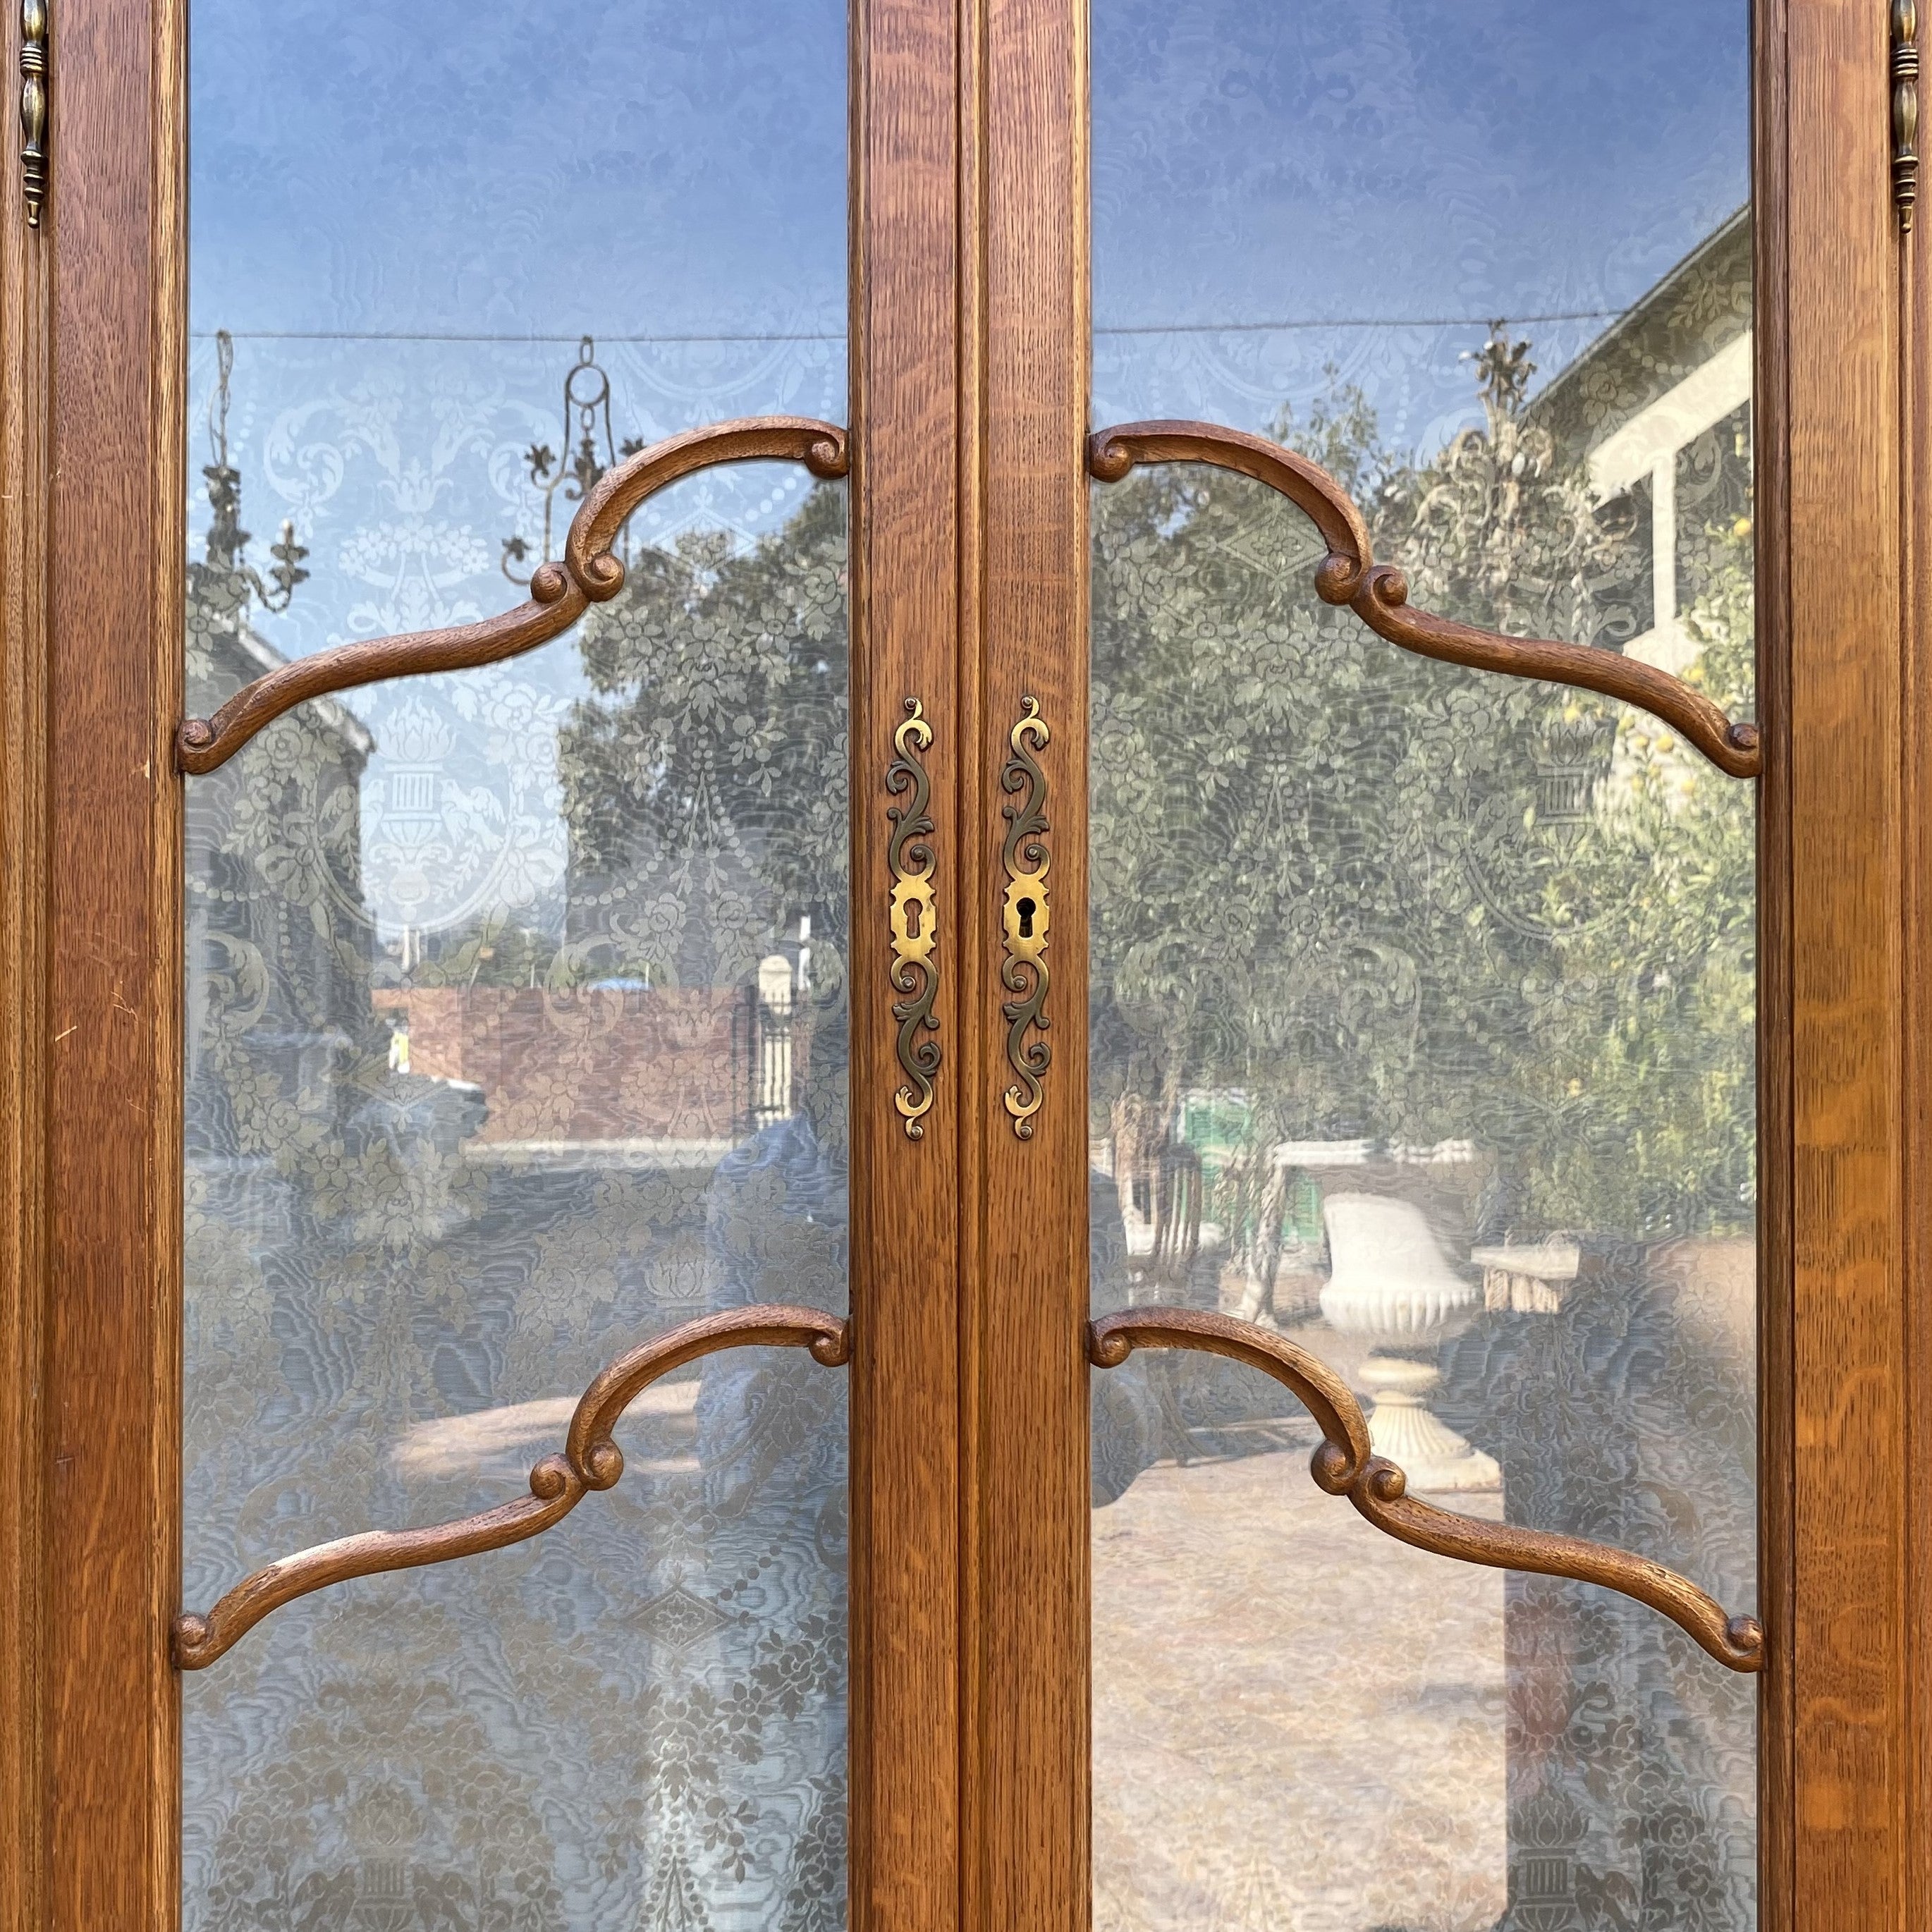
1025	917
914	915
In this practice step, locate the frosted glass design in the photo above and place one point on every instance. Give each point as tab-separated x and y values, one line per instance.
1423	1002
516	998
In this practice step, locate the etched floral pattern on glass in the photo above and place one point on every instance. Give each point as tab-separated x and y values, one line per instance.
516	996
1423	1005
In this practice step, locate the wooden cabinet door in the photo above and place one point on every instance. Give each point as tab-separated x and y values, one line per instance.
1256	1046
594	1137
755	854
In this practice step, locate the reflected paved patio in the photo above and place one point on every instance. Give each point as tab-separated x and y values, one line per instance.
1298	1722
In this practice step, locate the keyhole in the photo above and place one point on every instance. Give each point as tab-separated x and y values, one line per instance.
912	917
1025	911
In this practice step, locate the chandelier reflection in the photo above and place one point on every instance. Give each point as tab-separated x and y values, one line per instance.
587	451
227	541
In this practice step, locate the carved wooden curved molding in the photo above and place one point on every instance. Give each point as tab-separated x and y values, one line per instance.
1378	593
1344	1465
590	1460
559	593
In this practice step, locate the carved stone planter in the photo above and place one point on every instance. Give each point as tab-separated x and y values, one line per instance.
1389	1282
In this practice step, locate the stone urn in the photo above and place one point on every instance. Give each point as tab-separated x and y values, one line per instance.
1389	1282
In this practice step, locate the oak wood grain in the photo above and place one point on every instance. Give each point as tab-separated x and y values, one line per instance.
112	1177
167	270
25	263
906	1290
1916	507
1030	1770
1840	319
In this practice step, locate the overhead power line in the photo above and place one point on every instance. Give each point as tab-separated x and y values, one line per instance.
1355	321
1284	326
439	335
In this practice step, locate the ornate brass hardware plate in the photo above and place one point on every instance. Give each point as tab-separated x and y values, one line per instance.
34	107
588	1460
915	919
1345	1465
1905	109
1023	971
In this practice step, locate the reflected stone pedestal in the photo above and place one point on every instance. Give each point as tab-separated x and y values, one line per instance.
1389	1282
1403	1427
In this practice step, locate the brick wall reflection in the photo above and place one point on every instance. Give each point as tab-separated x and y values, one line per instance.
604	1064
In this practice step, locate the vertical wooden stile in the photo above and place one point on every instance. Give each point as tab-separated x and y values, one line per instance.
906	1288
1029	1774
1843	1630
26	263
112	1174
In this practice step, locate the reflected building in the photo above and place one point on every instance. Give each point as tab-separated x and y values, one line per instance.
434	1184
1659	409
1421	904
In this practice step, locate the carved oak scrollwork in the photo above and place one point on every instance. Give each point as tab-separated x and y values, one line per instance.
589	1460
1378	593
1345	1465
1024	970
915	918
560	593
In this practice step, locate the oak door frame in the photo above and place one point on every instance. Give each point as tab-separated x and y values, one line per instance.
93	447
1844	955
970	356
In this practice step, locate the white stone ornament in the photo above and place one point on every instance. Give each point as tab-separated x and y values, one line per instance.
1389	1282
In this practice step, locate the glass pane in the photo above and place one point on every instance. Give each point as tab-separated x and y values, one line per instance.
516	1018
1423	1001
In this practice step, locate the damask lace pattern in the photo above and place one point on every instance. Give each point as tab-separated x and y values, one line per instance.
1423	1002
515	1023
1397	947
470	1109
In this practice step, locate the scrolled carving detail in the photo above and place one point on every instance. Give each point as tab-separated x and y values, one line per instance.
1023	971
560	593
821	446
590	1460
915	918
1345	1465
1378	593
